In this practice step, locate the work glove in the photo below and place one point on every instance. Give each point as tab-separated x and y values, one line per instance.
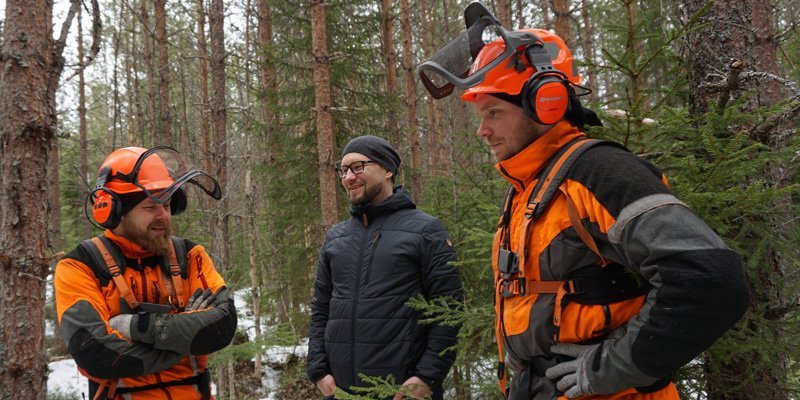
200	299
122	324
572	377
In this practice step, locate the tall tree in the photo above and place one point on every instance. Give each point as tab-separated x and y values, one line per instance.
164	124
562	21
150	73
32	64
411	102
742	73
322	108
503	11
390	65
202	61
82	128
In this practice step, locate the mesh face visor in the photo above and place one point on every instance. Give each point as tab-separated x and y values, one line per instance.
160	171
450	66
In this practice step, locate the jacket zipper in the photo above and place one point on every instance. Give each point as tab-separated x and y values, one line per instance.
374	246
355	303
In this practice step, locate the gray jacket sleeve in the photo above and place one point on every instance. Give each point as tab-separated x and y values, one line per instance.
196	333
699	292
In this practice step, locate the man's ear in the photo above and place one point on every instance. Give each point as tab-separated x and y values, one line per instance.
389	174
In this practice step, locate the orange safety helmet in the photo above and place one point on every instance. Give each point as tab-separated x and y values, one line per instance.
506	78
486	58
157	173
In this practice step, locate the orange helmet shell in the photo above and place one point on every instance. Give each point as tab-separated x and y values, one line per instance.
504	78
152	175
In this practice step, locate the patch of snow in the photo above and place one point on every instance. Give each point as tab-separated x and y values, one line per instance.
64	378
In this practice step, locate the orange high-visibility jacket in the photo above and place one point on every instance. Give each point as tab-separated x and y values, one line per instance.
693	286
177	345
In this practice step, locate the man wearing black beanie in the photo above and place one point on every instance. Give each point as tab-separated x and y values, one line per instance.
375	262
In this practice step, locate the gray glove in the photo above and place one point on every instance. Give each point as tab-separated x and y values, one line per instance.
122	324
200	300
574	375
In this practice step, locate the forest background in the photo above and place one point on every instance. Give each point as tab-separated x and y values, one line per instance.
263	94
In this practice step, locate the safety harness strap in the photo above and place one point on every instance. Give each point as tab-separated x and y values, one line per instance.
116	274
175	274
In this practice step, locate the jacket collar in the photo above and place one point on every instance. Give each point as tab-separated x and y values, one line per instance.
522	168
397	201
129	248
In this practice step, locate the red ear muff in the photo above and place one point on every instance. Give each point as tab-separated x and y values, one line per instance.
545	98
177	203
106	206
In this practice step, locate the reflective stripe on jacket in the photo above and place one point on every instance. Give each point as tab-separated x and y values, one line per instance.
698	288
179	343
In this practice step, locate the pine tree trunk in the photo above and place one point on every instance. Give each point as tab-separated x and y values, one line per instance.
31	67
218	123
739	37
411	103
562	21
503	13
325	135
588	50
205	111
147	55
390	66
164	130
82	128
545	5
521	16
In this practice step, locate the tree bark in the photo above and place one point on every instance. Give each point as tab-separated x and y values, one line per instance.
588	50
322	106
545	5
31	67
390	65
147	55
411	103
205	111
82	127
164	130
562	21
738	39
503	10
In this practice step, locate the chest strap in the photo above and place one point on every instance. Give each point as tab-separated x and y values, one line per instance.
116	273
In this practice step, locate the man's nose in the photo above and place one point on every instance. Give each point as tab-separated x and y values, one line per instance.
483	130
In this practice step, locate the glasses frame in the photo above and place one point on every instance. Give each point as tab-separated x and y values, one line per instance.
341	171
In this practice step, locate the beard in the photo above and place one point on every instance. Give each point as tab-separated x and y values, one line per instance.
157	244
369	193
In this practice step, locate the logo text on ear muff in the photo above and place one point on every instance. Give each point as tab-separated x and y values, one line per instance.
545	99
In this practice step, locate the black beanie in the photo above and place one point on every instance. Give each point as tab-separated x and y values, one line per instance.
130	200
376	149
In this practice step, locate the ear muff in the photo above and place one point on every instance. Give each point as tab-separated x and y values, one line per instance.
545	95
177	203
106	205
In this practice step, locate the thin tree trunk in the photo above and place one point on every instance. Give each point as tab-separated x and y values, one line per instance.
503	10
588	50
545	4
219	122
82	128
205	111
521	4
28	83
411	103
147	54
390	65
325	135
562	21
219	151
164	130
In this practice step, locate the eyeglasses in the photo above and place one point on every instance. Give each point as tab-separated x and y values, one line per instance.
357	168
